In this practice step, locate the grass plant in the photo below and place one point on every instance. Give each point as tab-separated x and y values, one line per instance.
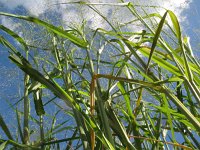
120	93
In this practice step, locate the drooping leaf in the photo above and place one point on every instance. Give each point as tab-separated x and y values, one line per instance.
79	42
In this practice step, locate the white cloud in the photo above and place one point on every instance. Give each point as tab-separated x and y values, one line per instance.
35	7
75	13
9	23
177	6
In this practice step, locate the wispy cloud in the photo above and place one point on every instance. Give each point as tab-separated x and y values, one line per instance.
35	7
75	13
177	6
9	23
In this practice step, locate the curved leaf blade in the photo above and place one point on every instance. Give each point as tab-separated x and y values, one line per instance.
79	42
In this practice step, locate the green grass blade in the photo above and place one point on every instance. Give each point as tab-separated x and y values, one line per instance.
168	114
18	145
3	145
161	61
5	128
15	36
183	109
156	37
19	126
104	119
179	36
83	130
5	43
126	98
118	128
38	102
26	110
79	42
23	64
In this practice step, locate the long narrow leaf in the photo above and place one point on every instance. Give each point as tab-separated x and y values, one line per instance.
5	128
155	40
60	32
15	36
3	145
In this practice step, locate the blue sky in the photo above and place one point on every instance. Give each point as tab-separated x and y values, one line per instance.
188	12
